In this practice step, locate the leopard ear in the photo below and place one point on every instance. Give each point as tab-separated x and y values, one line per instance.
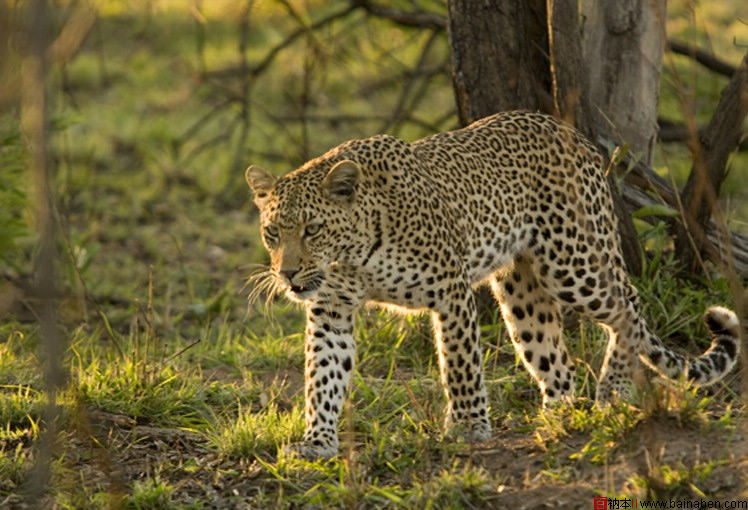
260	182
340	182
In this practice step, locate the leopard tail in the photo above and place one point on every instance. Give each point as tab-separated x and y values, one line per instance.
712	365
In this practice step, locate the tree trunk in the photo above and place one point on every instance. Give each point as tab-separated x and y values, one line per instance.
626	40
504	57
498	57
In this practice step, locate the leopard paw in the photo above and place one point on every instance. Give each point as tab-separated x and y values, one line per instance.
312	449
479	431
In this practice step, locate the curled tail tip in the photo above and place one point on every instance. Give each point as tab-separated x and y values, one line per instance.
722	356
711	366
722	321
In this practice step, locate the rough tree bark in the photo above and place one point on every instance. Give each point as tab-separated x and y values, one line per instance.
710	150
498	60
510	55
626	40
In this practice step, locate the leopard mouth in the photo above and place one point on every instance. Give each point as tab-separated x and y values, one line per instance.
307	287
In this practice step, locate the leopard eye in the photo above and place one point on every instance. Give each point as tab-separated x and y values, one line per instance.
312	229
271	235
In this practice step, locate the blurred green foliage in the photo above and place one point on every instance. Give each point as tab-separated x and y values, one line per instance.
166	102
14	222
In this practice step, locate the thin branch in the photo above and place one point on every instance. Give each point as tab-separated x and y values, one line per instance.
202	121
330	118
383	82
22	283
418	19
671	131
282	126
419	95
351	119
398	111
211	142
300	20
87	297
642	176
706	59
270	56
245	85
75	31
179	353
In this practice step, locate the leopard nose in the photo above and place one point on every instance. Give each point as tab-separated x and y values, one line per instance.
288	274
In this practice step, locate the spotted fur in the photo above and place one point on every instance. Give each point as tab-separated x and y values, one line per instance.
518	201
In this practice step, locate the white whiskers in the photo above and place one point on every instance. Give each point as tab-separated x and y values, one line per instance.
263	281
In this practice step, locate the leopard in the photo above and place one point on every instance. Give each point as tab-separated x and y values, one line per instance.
518	201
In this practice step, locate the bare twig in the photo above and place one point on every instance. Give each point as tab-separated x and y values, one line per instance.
706	59
282	126
202	121
200	35
245	84
419	95
72	35
87	297
270	56
180	352
418	19
393	78
670	131
150	332
211	142
398	112
351	119
305	101
294	13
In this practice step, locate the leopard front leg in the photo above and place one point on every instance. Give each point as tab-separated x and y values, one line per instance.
461	364
330	353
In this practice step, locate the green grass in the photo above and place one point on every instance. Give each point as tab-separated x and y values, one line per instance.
13	221
667	482
151	495
257	433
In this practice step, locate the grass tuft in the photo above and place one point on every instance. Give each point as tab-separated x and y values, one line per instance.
257	433
151	494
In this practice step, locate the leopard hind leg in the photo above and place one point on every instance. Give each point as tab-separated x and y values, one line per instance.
533	320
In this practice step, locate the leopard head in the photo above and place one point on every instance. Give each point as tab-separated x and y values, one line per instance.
308	221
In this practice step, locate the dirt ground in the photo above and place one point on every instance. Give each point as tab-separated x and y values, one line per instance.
111	452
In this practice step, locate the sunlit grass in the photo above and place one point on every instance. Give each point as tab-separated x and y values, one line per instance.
257	433
664	481
453	488
20	410
14	466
